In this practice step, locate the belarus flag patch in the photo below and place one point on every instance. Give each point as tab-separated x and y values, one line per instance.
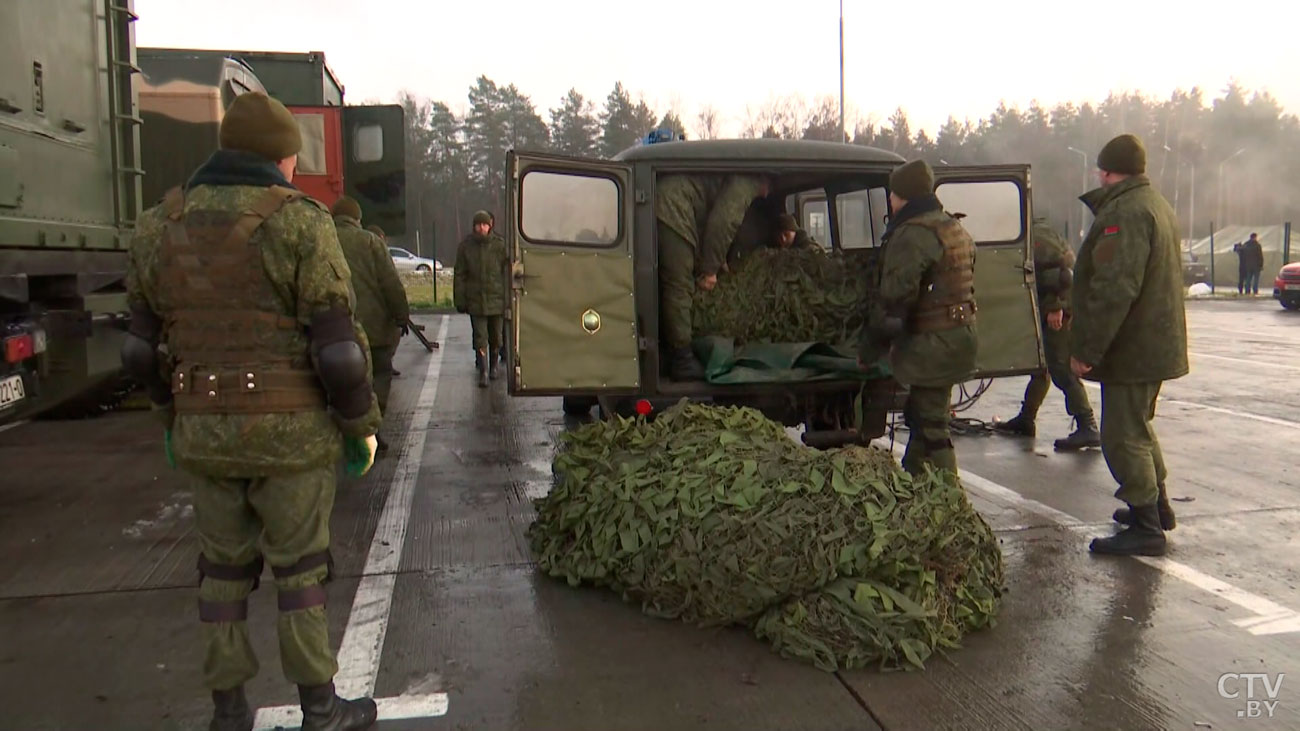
1110	231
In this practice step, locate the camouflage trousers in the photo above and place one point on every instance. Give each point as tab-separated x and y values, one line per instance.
381	371
286	521
927	415
676	288
1129	443
1056	346
487	331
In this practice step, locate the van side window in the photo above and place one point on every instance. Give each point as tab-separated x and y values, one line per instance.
570	208
992	208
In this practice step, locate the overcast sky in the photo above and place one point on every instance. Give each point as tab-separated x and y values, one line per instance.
934	58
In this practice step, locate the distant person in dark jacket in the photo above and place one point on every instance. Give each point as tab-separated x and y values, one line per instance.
1250	263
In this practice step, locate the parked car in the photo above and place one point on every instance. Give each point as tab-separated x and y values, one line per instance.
1286	288
405	261
1193	270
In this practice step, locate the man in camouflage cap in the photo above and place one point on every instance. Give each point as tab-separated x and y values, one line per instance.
264	385
923	312
1130	334
1054	274
698	216
790	236
382	308
479	290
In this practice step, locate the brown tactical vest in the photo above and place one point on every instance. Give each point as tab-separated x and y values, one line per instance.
947	296
235	351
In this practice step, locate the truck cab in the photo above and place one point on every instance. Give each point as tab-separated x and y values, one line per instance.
584	304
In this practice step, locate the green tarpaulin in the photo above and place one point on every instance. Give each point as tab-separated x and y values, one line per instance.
779	362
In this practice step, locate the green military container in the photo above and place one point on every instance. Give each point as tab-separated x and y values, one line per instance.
70	191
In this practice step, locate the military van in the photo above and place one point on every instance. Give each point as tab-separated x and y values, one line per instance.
584	304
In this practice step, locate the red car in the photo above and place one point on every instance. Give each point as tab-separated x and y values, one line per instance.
1286	288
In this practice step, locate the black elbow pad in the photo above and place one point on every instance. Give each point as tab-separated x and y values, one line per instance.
340	363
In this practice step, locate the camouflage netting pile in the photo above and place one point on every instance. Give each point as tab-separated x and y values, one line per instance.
715	516
786	296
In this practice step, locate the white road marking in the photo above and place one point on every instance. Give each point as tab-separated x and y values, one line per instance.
363	640
14	425
390	709
1217	409
1247	361
1269	618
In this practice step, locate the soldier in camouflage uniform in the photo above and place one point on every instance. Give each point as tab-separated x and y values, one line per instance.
1130	334
1054	273
698	217
264	385
923	312
382	308
479	290
789	235
376	230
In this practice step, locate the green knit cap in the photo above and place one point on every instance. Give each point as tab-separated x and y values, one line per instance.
259	124
912	181
1125	155
346	206
482	217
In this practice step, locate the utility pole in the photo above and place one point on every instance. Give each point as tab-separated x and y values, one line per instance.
842	131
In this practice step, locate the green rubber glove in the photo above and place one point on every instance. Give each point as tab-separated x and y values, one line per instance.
167	448
359	454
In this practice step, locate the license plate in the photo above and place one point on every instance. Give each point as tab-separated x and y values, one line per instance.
11	391
1290	287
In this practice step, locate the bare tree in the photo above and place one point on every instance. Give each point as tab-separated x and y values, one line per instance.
706	123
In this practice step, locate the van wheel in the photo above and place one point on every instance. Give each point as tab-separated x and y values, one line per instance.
578	405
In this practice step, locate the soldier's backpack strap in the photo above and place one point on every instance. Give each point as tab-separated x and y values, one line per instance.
275	198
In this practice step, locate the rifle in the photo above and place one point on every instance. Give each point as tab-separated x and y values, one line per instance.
419	334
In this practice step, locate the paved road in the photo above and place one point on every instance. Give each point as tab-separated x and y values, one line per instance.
439	610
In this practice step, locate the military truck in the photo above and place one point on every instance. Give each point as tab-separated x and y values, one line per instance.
347	150
93	130
584	312
70	193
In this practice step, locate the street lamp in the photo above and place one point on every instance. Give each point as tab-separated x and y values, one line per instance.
1219	211
1083	182
843	134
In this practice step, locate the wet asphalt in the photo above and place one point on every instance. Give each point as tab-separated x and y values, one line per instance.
97	605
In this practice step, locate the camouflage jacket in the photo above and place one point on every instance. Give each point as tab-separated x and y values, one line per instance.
479	286
1129	320
1053	268
706	211
381	299
307	271
938	358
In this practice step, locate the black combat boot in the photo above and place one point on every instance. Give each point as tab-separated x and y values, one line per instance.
1124	516
480	363
1021	425
684	366
1143	538
323	710
1085	435
494	357
231	711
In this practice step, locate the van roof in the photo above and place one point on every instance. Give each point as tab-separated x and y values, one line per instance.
762	150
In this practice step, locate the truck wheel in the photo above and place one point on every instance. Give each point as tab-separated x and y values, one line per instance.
578	405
